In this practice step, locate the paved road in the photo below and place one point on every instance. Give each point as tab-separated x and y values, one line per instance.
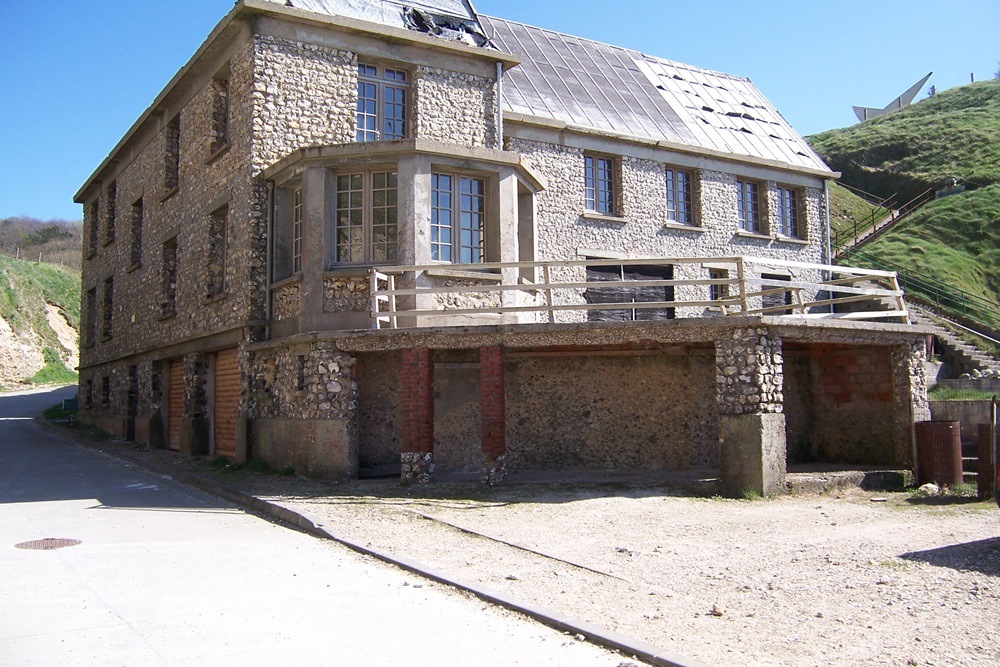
166	575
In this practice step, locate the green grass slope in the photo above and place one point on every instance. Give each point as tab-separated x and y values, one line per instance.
955	133
955	240
849	211
25	289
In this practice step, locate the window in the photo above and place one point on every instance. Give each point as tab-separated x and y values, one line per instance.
300	374
748	203
135	250
95	211
599	183
788	211
381	110
168	279
216	268
679	197
109	213
90	312
172	155
219	138
366	224
620	293
718	292
458	218
106	391
109	295
88	394
297	230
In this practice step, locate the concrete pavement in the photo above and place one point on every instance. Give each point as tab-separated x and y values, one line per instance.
165	574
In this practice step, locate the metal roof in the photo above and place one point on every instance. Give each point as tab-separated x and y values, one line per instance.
608	88
448	19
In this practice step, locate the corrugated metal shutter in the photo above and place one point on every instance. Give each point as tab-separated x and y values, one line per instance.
226	402
175	403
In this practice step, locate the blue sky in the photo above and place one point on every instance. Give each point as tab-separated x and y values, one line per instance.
77	74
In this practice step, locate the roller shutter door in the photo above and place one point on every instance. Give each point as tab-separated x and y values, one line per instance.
175	403
226	402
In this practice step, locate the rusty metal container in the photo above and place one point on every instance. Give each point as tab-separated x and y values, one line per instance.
986	468
939	452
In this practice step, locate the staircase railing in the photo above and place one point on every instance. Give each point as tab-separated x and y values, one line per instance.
949	299
870	228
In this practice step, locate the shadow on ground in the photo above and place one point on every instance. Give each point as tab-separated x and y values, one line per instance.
979	556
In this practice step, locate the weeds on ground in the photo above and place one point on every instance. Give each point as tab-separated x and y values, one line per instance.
938	393
252	465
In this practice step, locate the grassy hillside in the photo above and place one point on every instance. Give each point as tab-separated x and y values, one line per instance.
955	240
956	134
25	289
848	209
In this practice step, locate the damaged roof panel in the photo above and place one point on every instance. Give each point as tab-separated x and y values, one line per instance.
609	88
599	86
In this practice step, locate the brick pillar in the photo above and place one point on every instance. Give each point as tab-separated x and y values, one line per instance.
417	456
749	379
492	386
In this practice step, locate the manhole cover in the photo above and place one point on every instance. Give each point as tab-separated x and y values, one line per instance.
47	544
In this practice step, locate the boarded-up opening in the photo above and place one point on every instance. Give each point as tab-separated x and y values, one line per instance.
226	403
772	302
625	294
175	404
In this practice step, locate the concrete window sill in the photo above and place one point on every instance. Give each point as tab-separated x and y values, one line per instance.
464	275
212	298
680	226
602	217
169	193
742	233
133	267
791	239
217	153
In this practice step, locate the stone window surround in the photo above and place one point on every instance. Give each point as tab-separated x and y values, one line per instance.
221	111
137	219
93	224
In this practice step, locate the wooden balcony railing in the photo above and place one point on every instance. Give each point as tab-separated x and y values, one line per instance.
399	295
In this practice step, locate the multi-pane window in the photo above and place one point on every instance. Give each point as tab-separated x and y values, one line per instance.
458	218
788	211
599	184
720	291
748	205
297	230
366	224
135	250
381	110
679	197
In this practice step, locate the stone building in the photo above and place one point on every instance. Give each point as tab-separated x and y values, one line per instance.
354	235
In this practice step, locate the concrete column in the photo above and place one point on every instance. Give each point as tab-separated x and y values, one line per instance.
493	413
417	456
909	397
749	379
314	242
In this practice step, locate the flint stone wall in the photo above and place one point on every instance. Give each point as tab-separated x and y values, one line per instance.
749	372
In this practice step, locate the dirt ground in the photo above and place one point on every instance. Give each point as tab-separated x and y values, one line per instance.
849	579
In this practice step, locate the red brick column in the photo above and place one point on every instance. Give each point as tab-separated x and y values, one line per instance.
493	408
417	398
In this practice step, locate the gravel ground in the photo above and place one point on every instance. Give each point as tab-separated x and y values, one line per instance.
856	578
